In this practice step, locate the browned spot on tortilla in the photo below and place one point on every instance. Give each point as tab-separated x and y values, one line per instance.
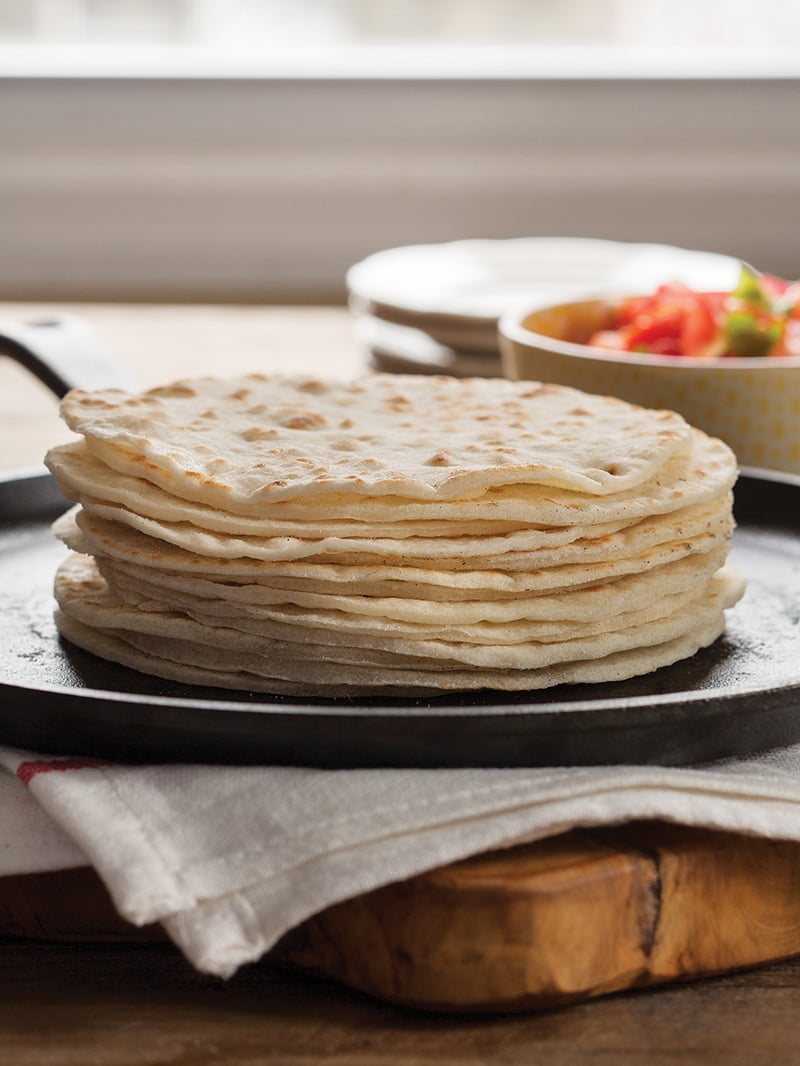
304	420
259	433
173	390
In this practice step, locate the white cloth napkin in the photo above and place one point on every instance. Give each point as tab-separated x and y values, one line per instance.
228	859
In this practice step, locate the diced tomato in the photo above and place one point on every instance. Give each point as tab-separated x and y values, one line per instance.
611	339
675	320
649	329
774	285
791	337
699	329
636	306
663	346
791	300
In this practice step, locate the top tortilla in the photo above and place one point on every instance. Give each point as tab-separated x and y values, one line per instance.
258	439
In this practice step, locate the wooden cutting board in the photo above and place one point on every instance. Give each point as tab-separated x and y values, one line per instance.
541	925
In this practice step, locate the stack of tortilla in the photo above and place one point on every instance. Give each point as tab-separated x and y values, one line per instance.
396	535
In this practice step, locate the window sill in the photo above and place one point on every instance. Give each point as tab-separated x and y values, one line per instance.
267	188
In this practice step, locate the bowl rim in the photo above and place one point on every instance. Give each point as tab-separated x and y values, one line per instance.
510	327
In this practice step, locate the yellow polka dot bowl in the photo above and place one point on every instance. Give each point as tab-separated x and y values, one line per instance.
753	404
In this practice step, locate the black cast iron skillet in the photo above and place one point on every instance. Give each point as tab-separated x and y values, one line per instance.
740	696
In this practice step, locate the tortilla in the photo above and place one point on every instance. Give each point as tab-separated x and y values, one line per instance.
175	651
390	534
415	559
258	439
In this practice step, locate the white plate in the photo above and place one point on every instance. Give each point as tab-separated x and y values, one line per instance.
403	350
457	291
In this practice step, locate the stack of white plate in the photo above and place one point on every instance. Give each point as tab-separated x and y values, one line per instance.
434	308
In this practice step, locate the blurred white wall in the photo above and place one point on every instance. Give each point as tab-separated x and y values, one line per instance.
161	149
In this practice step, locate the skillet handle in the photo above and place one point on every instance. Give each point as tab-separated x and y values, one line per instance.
64	353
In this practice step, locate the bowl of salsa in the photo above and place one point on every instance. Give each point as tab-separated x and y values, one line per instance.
728	361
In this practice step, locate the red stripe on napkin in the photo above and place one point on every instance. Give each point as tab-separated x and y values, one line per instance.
26	771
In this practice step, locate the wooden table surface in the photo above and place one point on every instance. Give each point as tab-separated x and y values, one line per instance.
158	344
70	1003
